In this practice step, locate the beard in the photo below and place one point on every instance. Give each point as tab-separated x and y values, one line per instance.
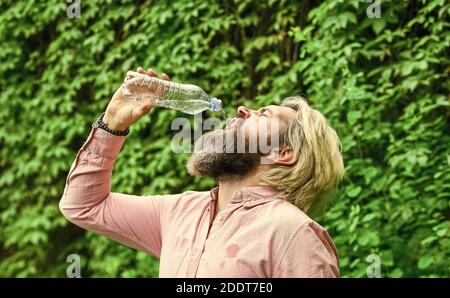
222	155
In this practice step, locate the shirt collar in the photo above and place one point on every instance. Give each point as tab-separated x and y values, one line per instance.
249	194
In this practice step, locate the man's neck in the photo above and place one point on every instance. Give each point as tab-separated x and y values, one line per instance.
227	187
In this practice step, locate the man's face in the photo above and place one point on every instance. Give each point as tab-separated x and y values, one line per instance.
236	150
256	124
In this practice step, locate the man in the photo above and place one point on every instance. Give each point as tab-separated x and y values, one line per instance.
254	224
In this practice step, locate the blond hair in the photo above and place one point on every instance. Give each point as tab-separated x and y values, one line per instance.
311	180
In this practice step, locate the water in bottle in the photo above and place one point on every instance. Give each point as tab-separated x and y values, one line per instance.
186	98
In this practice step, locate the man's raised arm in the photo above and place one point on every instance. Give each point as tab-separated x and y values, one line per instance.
136	221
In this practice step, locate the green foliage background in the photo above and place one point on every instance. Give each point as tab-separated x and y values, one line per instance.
382	83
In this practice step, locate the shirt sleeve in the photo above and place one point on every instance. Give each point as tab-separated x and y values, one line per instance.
309	253
136	221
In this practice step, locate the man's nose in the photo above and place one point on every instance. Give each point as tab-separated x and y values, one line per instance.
243	112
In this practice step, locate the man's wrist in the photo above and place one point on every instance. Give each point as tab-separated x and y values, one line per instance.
113	129
112	124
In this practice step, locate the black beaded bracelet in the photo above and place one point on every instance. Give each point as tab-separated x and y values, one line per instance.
102	125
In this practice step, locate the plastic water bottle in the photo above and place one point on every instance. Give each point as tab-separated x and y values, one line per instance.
186	98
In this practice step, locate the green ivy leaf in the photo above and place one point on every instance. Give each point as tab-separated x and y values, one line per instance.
354	191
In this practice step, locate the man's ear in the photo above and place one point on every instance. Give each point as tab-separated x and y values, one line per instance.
283	156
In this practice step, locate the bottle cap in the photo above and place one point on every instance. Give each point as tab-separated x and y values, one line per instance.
216	104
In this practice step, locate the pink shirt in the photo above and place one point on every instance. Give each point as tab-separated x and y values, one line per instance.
256	235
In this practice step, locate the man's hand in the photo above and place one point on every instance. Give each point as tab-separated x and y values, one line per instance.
121	113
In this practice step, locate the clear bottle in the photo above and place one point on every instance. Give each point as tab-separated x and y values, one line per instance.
186	98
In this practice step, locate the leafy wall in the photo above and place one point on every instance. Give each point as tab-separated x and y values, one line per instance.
382	83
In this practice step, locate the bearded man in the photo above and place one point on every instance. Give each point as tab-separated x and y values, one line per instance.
255	223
